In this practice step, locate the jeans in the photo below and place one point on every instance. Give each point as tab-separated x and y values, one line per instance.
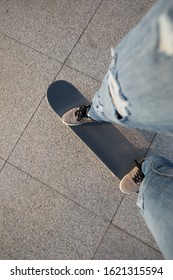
137	92
155	201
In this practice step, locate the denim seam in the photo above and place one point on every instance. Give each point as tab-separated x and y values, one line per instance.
157	172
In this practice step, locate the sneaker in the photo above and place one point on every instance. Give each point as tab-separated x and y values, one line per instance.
132	181
77	116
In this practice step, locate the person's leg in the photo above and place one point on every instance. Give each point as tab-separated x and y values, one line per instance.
137	91
154	181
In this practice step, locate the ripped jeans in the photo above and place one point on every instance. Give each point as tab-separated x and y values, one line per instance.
137	92
155	201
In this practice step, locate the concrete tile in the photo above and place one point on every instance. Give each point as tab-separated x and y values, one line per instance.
4	255
25	75
39	223
49	151
119	245
52	27
112	21
162	146
130	220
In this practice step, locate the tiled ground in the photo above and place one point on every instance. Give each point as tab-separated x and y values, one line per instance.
58	201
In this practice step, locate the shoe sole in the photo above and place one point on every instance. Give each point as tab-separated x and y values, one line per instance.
77	124
120	186
72	124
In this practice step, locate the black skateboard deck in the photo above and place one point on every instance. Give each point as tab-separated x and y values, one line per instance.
109	145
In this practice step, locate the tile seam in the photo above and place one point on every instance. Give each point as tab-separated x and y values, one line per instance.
48	187
29	47
144	242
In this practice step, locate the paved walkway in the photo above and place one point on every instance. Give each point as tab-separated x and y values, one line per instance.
58	201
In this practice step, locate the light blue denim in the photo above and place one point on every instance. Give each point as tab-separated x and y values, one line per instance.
142	97
142	66
155	201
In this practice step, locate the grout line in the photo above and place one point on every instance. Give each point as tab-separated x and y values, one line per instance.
124	231
82	33
3	166
145	155
79	71
62	65
29	47
50	57
25	127
53	78
62	62
144	242
58	192
118	208
101	241
110	223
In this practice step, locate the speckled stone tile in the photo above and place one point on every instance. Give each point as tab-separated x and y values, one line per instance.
4	255
51	27
49	151
118	245
112	21
128	218
39	223
25	75
162	146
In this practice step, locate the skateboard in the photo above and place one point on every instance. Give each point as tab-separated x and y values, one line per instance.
103	139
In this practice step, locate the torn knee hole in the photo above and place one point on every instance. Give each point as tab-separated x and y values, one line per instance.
166	33
118	99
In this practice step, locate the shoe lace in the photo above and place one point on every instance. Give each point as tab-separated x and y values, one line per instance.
139	175
82	112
